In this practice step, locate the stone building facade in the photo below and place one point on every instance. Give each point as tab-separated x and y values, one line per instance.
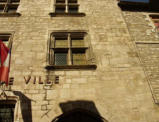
118	81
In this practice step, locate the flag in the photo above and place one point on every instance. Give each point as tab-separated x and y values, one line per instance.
5	62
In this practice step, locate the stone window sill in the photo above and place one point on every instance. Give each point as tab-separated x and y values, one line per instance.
10	14
67	14
52	67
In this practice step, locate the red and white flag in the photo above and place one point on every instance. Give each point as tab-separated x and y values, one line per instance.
4	63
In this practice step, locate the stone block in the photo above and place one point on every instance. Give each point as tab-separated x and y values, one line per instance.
51	94
68	81
38	97
66	86
33	91
44	107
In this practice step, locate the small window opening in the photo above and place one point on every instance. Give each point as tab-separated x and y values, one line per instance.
60	58
15	1
1	8
7	110
60	1
60	9
9	6
12	9
73	9
72	1
3	0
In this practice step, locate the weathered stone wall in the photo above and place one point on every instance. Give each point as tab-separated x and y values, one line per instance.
143	33
118	89
140	26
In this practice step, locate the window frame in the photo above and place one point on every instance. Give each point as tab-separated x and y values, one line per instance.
9	4
86	48
66	5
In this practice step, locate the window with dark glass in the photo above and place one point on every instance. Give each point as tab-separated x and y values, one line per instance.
7	110
70	49
66	6
60	58
9	6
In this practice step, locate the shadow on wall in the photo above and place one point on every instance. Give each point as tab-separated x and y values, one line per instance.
79	111
25	104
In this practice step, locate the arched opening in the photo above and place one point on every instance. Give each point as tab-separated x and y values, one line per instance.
79	115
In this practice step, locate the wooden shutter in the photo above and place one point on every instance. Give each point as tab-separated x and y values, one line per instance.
61	43
79	59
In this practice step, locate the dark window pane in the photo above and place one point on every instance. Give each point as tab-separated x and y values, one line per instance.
15	0
60	1
3	0
72	1
12	9
6	112
79	58
60	9
60	58
1	8
73	9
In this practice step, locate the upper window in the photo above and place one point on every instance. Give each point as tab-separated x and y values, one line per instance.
70	50
66	7
8	7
